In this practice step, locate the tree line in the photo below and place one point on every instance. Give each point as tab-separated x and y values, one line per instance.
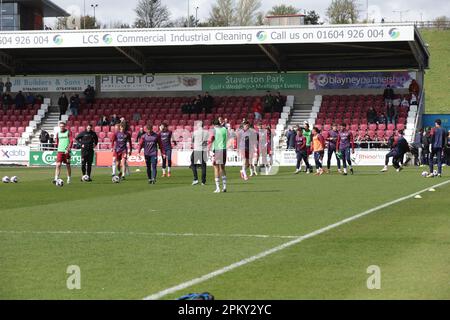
225	13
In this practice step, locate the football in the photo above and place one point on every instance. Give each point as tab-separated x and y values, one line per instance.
85	178
424	174
116	179
14	179
59	183
5	179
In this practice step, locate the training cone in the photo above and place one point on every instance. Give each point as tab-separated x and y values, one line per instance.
432	190
418	197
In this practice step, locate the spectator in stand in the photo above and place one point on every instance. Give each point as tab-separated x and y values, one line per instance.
20	100
279	103
43	138
103	122
89	94
268	102
74	104
414	88
30	99
257	109
140	134
290	138
362	140
208	102
2	85
8	85
114	120
197	105
6	101
187	107
413	100
391	113
405	103
382	119
63	104
388	95
136	116
39	99
371	115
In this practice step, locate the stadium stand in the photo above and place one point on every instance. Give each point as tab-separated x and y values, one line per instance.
164	109
16	124
352	110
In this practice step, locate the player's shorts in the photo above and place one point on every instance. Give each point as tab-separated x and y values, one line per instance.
308	150
63	157
220	157
119	155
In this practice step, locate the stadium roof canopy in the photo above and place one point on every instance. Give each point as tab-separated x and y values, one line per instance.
49	9
205	50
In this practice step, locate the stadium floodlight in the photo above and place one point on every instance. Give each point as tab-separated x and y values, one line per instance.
196	16
188	14
95	20
401	12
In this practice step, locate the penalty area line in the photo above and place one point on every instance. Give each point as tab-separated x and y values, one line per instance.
283	246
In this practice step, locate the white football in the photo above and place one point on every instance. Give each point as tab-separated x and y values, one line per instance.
424	174
116	179
59	183
14	179
435	173
5	179
85	178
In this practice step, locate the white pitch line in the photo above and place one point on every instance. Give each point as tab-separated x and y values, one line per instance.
157	234
263	254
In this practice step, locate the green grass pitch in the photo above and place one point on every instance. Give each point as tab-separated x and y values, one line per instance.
132	239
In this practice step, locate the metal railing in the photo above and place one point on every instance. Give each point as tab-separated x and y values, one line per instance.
420	110
432	24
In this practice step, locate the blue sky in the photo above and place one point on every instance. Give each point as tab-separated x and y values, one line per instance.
114	10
